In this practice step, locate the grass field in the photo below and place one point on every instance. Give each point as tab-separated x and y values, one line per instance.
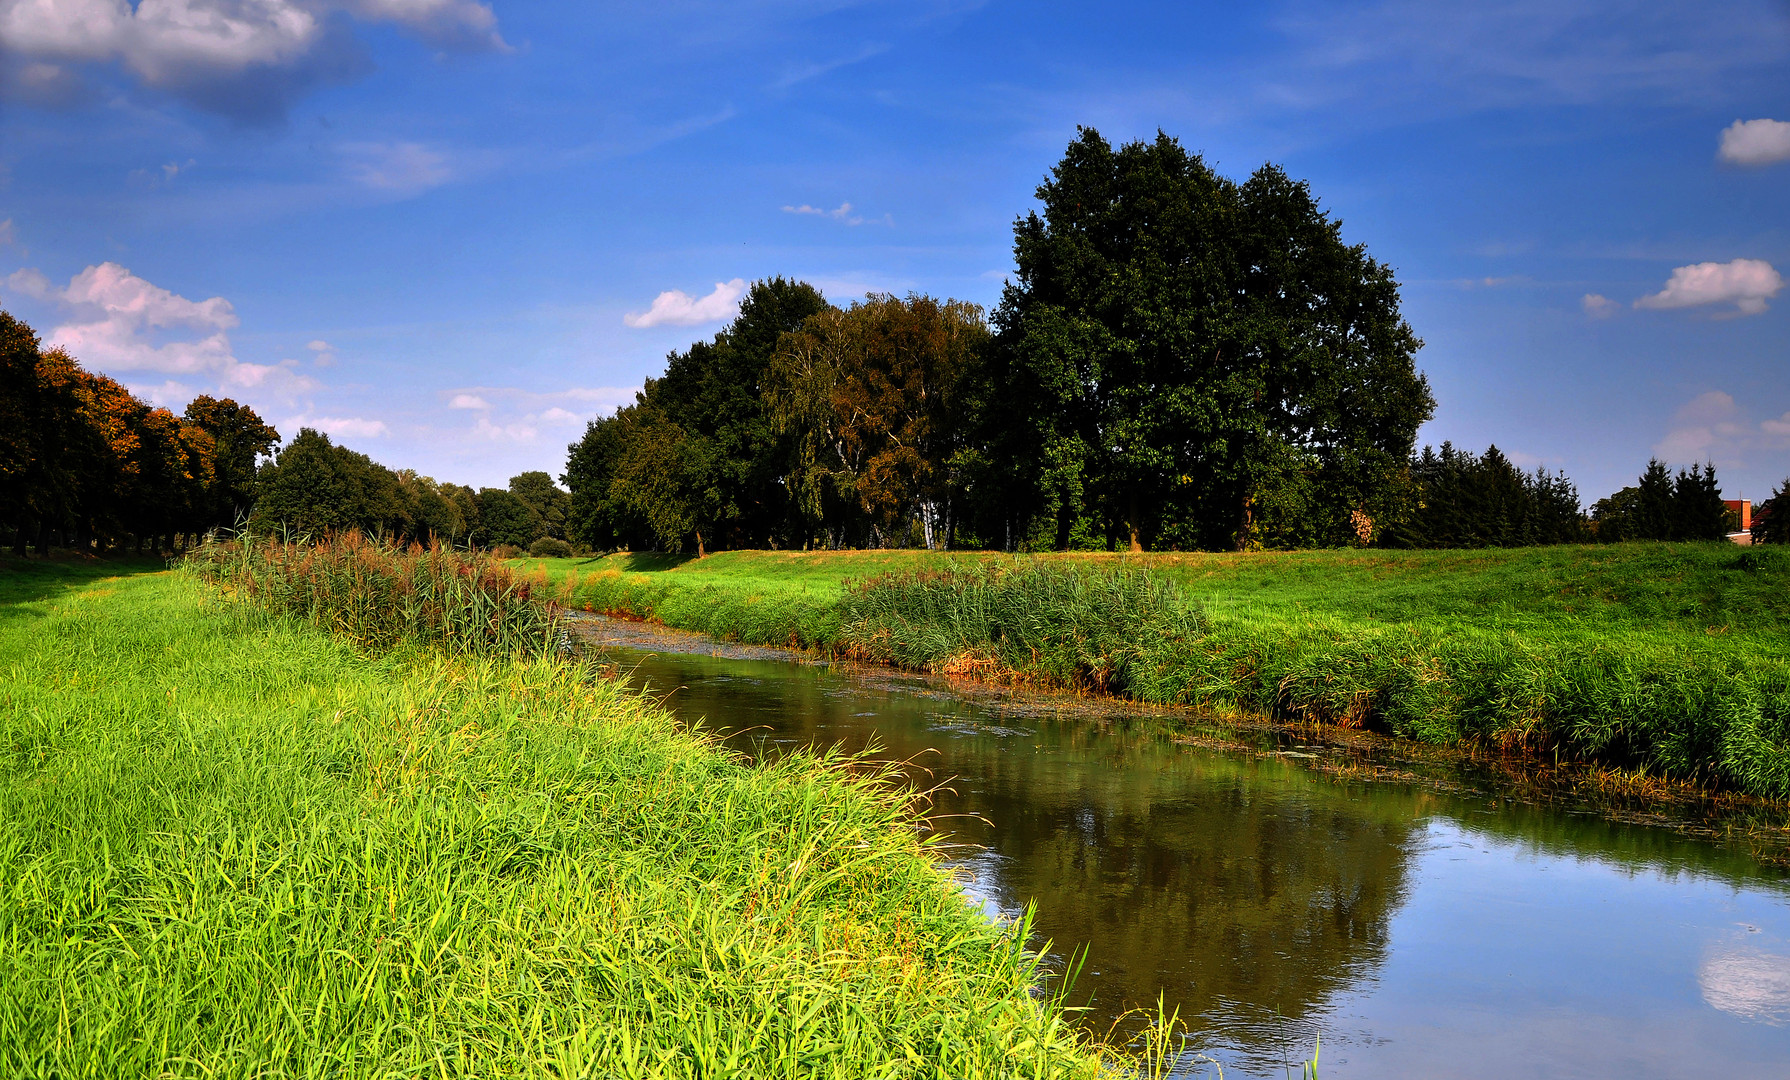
235	846
1669	658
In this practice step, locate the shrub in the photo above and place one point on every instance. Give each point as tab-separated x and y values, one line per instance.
507	551
548	547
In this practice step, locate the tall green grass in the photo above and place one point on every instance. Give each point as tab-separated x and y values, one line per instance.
1092	629
378	593
234	847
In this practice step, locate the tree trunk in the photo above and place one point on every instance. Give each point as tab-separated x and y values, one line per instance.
1137	544
43	539
1246	528
19	540
701	552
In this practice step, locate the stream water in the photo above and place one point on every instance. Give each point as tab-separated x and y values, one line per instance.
1422	932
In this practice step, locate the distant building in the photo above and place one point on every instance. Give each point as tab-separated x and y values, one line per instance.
1742	509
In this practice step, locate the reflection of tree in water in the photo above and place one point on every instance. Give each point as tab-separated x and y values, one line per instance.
1246	892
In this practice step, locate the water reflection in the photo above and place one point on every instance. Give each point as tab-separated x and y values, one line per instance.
1268	902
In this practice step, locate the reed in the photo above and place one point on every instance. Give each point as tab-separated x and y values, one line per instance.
1084	629
379	593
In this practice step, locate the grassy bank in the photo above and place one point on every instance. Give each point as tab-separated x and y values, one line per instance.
1664	658
238	846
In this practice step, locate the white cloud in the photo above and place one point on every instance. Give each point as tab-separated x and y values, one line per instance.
1713	427
8	235
121	324
350	427
1755	142
118	318
320	346
1748	983
468	401
29	282
401	167
678	308
238	57
1599	306
557	415
842	213
1745	283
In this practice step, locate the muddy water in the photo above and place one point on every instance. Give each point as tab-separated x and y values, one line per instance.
1421	932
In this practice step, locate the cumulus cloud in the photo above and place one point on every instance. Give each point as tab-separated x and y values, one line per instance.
242	58
1745	283
120	323
512	415
678	308
8	235
1713	427
1755	142
1599	306
403	168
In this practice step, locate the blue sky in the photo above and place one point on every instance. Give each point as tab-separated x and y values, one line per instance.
450	232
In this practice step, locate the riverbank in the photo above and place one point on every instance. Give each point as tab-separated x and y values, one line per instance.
1658	660
232	844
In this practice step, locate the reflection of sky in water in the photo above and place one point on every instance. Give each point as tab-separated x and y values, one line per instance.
1747	983
1423	934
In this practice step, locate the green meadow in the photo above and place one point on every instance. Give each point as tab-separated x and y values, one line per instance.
236	844
1668	660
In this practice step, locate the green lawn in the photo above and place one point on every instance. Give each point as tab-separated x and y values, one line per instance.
231	847
1685	588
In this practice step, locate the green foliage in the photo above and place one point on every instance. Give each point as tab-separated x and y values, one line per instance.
230	849
1661	507
878	400
1771	518
381	594
548	547
1191	362
241	441
506	519
549	503
1465	500
314	486
696	457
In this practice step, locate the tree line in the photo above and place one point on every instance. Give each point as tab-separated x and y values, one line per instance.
85	464
1179	361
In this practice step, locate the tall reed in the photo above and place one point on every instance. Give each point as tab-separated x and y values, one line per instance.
1084	629
378	593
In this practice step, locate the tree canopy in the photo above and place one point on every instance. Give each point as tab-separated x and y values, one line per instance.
1188	361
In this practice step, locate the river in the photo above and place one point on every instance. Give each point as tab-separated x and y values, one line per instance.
1421	931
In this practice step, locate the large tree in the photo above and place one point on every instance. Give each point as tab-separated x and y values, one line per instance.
1188	361
315	487
241	440
874	399
701	461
